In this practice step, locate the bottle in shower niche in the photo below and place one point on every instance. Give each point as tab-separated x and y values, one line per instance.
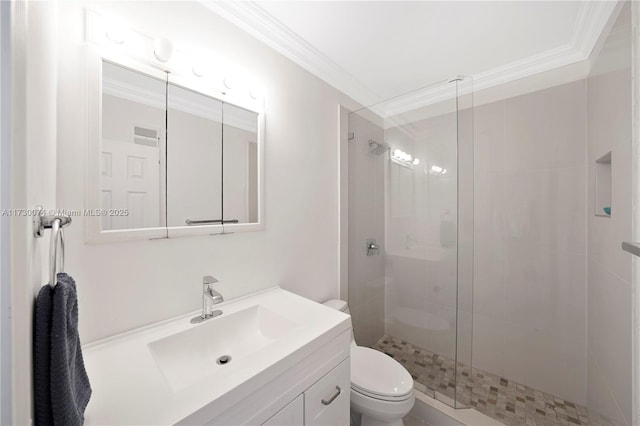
447	229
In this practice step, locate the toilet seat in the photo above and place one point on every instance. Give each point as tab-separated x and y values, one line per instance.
377	375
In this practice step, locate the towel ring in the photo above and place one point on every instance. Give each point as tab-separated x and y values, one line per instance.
57	234
55	223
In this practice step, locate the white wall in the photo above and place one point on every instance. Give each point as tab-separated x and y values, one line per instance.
33	150
530	240
609	268
126	285
5	202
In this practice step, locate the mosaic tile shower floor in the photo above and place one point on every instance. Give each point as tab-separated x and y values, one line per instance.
508	402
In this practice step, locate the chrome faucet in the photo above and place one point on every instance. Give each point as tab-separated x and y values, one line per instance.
209	297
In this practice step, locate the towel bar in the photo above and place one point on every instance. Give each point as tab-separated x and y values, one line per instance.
56	223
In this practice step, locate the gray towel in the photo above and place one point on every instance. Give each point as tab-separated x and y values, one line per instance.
60	381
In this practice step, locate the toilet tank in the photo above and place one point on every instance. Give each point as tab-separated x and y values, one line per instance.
339	305
342	306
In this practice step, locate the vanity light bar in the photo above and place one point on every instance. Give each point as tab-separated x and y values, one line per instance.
114	34
404	158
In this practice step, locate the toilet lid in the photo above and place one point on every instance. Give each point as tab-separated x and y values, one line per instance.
377	374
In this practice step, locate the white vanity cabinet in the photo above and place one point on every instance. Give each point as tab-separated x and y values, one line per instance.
286	356
291	415
294	397
326	402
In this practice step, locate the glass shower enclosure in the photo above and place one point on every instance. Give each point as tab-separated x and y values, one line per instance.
410	226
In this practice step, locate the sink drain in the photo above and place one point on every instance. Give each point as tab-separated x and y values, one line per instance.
224	359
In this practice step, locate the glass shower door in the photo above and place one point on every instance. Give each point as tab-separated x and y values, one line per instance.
424	183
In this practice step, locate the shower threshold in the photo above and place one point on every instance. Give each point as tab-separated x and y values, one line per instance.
508	402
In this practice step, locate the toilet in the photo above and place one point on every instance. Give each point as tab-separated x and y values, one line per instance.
381	388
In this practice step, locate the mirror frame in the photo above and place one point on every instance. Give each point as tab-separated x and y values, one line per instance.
93	71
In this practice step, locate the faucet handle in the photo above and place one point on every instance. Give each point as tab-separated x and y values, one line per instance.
208	279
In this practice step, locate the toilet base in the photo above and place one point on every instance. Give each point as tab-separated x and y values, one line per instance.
375	412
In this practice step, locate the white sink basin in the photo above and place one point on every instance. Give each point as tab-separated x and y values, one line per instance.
192	355
166	373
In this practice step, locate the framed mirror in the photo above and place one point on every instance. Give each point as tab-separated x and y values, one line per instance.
169	157
194	159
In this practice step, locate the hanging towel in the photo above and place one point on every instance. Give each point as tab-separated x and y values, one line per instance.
61	385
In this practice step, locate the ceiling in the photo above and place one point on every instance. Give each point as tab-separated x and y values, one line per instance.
377	50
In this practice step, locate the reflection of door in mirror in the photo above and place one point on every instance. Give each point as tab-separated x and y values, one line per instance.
132	149
194	188
240	173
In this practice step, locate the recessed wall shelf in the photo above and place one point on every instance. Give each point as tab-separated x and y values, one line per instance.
603	186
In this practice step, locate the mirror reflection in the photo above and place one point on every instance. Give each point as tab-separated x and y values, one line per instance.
132	149
194	169
240	170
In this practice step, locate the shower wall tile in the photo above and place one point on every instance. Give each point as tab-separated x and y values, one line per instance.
599	395
490	259
545	129
366	220
569	224
489	138
489	343
609	340
530	240
609	267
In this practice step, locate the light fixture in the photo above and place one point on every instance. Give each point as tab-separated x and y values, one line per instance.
182	60
404	158
162	49
437	170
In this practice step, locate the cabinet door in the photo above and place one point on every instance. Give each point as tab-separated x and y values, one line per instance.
291	415
327	401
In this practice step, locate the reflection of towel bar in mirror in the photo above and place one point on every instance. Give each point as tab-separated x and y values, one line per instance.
207	221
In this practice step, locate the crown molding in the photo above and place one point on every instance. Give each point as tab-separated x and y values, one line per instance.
591	21
248	15
252	18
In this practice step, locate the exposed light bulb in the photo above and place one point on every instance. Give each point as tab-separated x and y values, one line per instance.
255	93
199	68
416	161
444	171
116	31
397	153
162	49
230	82
436	169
